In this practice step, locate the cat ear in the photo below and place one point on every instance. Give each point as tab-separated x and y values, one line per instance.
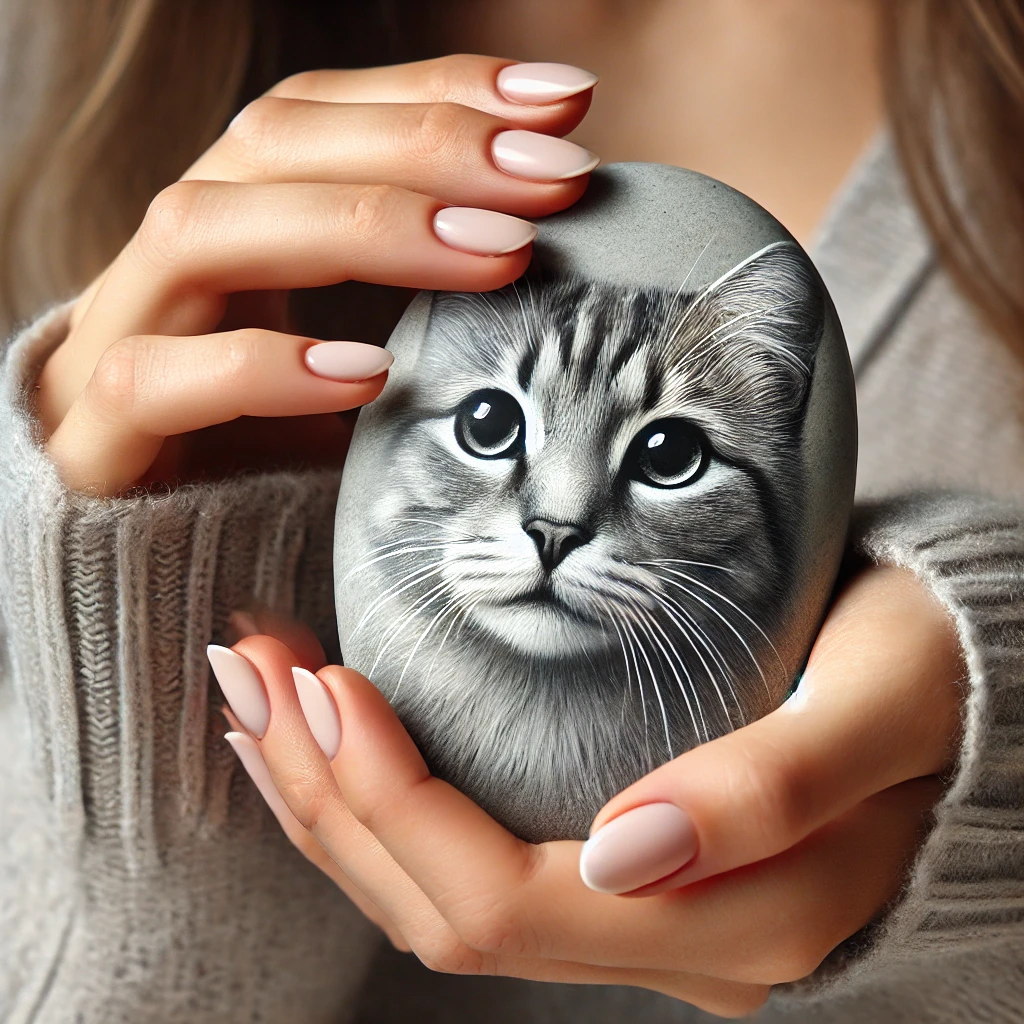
768	314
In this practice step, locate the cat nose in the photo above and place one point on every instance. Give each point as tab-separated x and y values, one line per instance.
554	540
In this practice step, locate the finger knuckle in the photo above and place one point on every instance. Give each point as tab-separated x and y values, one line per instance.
168	230
438	133
304	842
300	84
371	807
446	78
740	1003
368	211
451	958
240	355
780	792
794	957
305	798
252	134
113	385
491	927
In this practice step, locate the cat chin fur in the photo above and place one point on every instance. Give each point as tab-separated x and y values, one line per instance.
542	743
541	631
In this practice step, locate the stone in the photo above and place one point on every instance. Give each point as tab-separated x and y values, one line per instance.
595	517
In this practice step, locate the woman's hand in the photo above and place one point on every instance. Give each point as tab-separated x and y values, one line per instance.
415	175
743	862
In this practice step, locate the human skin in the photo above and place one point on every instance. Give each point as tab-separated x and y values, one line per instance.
334	175
775	97
805	820
179	359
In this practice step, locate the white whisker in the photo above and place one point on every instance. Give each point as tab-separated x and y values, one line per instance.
689	630
729	625
416	577
731	604
397	554
396	629
673	657
654	682
423	636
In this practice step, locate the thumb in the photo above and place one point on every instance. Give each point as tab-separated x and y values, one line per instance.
879	705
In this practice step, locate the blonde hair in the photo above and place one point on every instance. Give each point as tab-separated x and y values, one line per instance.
131	91
955	78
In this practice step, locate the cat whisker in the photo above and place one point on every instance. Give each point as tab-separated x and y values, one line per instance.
423	636
682	287
460	609
684	561
614	620
438	524
396	629
654	682
729	625
689	630
419	549
734	606
631	647
721	616
645	623
689	625
397	589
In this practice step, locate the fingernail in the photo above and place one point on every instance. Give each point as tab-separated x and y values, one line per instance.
320	710
543	83
256	768
242	687
482	232
637	848
347	360
539	157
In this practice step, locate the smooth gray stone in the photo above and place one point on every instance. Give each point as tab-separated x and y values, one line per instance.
595	518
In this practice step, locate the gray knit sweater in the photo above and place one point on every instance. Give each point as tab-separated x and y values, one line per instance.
142	880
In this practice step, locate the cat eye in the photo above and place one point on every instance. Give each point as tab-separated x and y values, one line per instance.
489	424
667	453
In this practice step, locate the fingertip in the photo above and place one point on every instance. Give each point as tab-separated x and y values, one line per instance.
481	232
251	757
543	83
354	694
490	273
320	711
371	731
268	633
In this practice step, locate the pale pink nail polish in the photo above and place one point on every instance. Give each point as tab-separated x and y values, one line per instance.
543	83
539	157
256	768
482	232
242	687
637	848
320	710
347	361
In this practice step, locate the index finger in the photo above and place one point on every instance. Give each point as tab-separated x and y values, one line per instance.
551	98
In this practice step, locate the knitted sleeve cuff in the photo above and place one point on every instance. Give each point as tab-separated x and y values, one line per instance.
176	885
965	892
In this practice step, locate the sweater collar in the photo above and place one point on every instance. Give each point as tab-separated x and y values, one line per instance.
872	249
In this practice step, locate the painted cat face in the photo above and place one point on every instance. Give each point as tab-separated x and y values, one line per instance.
591	508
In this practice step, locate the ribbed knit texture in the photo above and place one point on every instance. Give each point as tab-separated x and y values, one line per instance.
960	916
141	877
